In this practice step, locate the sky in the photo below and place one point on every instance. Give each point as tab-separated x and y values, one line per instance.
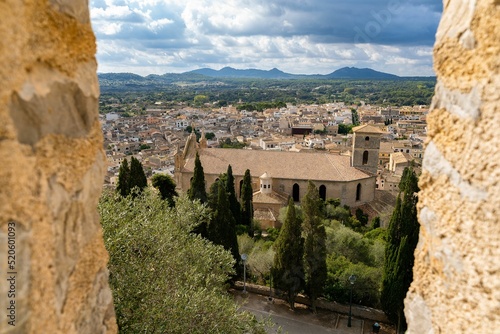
295	36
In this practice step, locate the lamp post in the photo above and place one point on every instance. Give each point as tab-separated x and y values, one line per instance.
352	279
270	288
244	258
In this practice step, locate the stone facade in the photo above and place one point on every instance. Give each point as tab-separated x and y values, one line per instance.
365	148
52	170
290	172
456	287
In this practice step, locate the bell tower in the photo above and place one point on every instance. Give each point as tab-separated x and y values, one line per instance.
365	148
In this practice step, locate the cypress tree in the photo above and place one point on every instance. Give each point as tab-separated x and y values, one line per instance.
137	176
123	184
197	188
234	205
315	244
222	228
288	270
246	202
399	259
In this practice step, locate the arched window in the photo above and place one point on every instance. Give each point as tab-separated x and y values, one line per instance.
322	192
367	138
358	192
296	192
365	157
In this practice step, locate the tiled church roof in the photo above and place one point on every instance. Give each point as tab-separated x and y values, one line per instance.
282	165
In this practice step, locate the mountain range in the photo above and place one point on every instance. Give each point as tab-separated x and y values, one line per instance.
343	73
207	74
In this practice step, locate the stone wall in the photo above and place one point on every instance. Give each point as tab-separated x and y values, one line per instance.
456	287
51	173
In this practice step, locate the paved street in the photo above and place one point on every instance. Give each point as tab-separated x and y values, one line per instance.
302	320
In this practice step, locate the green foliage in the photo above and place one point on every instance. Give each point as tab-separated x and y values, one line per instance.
379	233
333	201
241	229
344	241
260	260
197	188
375	223
163	278
222	103
367	285
361	216
355	117
137	176
122	186
228	143
398	92
209	135
131	180
166	186
350	252
245	244
200	99
222	227
401	243
315	244
272	233
343	215
260	106
247	202
345	128
288	268
234	205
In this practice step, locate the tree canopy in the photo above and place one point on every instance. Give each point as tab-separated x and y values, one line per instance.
288	268
197	188
166	186
247	202
315	243
137	176
163	278
222	227
234	205
130	178
402	240
122	186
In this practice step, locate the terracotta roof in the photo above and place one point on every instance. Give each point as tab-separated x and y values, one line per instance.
264	214
400	157
366	129
282	165
272	198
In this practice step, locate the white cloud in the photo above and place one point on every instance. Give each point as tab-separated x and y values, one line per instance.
111	12
156	25
111	28
295	36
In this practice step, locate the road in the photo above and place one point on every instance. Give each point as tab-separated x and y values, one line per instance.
300	321
289	325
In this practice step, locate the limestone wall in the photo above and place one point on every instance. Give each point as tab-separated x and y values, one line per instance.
51	172
456	287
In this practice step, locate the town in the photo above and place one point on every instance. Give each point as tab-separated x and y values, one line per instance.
158	132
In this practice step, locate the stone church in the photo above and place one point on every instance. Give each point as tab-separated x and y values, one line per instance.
276	175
